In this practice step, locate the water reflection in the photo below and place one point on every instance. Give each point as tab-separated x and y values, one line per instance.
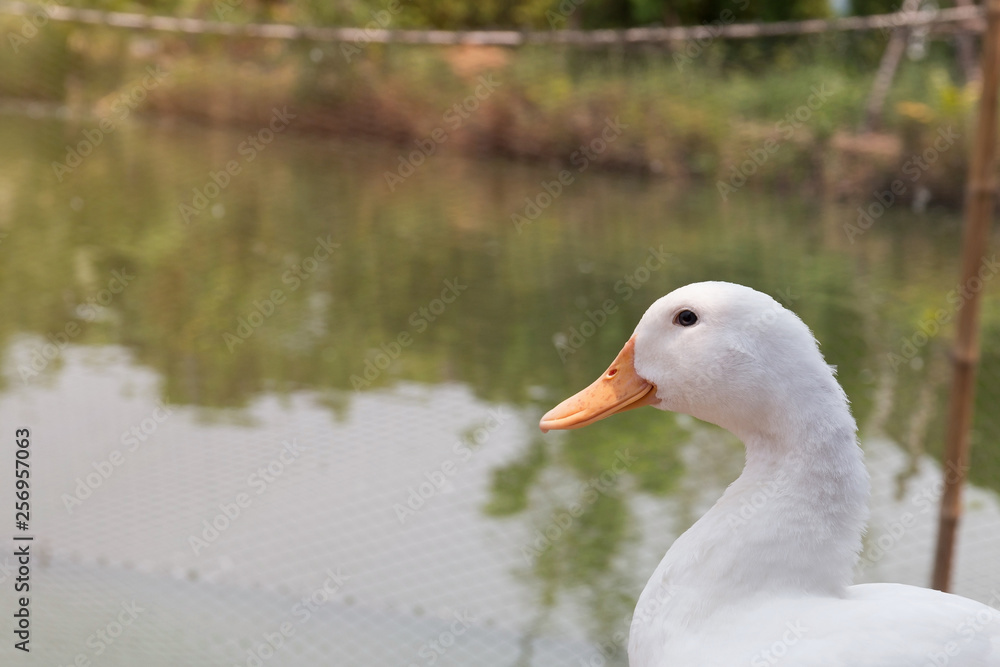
250	322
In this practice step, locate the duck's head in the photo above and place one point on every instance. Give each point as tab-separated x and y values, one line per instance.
720	352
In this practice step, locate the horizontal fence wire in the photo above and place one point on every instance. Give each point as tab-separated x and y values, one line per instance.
970	18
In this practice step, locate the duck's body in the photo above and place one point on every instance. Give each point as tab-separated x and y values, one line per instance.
764	577
883	625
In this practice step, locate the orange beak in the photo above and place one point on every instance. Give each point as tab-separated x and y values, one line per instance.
619	389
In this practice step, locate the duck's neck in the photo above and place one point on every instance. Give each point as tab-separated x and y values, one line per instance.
790	524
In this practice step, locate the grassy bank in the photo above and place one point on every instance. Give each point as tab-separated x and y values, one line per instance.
747	115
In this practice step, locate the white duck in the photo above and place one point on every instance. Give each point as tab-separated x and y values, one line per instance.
772	588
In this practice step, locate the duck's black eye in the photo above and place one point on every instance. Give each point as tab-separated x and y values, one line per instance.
686	318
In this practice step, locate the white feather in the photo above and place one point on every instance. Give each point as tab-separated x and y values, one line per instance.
764	577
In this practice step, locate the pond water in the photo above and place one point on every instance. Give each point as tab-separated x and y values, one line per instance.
283	413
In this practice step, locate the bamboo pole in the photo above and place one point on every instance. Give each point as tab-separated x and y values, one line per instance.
979	199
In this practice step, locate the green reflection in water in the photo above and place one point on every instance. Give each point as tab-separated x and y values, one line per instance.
527	292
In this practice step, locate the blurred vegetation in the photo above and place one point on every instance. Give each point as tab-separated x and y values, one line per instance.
461	14
119	211
690	115
694	112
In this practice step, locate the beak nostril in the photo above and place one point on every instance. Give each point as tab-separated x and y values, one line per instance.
612	372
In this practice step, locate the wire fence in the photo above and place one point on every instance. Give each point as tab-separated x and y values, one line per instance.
356	552
969	18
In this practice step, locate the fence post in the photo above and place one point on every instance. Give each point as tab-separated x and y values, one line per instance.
979	198
887	71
